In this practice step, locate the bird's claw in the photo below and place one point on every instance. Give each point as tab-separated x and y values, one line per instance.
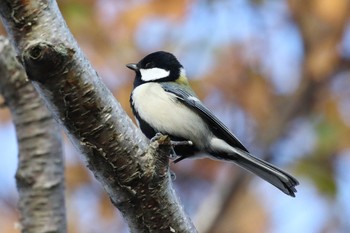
173	154
172	175
156	137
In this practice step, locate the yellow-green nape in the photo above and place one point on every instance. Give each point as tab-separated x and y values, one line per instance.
182	80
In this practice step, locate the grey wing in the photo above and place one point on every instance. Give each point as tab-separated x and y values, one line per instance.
187	96
268	172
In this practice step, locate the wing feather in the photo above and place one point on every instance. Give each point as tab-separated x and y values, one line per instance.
187	96
241	156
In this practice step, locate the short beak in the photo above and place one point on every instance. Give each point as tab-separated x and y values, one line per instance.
132	66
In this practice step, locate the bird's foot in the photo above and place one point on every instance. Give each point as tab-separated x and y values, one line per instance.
173	155
156	137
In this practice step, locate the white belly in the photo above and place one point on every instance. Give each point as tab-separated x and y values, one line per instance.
162	111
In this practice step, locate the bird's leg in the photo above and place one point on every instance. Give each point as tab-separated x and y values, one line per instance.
173	154
181	143
172	151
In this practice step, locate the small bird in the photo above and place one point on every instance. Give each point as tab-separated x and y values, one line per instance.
163	102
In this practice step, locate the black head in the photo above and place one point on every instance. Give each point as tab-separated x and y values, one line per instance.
157	67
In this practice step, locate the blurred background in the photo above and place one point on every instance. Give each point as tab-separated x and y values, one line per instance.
275	71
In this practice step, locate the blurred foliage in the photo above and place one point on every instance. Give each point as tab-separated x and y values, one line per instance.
261	65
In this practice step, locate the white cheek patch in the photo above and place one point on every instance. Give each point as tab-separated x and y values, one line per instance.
153	74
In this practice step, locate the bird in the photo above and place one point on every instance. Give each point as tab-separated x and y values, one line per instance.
162	101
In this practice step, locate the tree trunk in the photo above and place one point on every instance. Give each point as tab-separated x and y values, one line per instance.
134	174
40	173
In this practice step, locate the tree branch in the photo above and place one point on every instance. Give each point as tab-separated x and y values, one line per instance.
134	174
40	173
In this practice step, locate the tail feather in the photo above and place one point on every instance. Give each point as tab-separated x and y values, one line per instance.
275	176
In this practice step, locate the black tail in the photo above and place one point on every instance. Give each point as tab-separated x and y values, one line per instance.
275	176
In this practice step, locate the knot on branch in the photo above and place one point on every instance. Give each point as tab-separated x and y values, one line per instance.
43	60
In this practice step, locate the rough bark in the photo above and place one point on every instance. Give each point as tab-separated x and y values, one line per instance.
134	174
40	173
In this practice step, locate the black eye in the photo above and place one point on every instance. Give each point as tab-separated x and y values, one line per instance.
149	65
